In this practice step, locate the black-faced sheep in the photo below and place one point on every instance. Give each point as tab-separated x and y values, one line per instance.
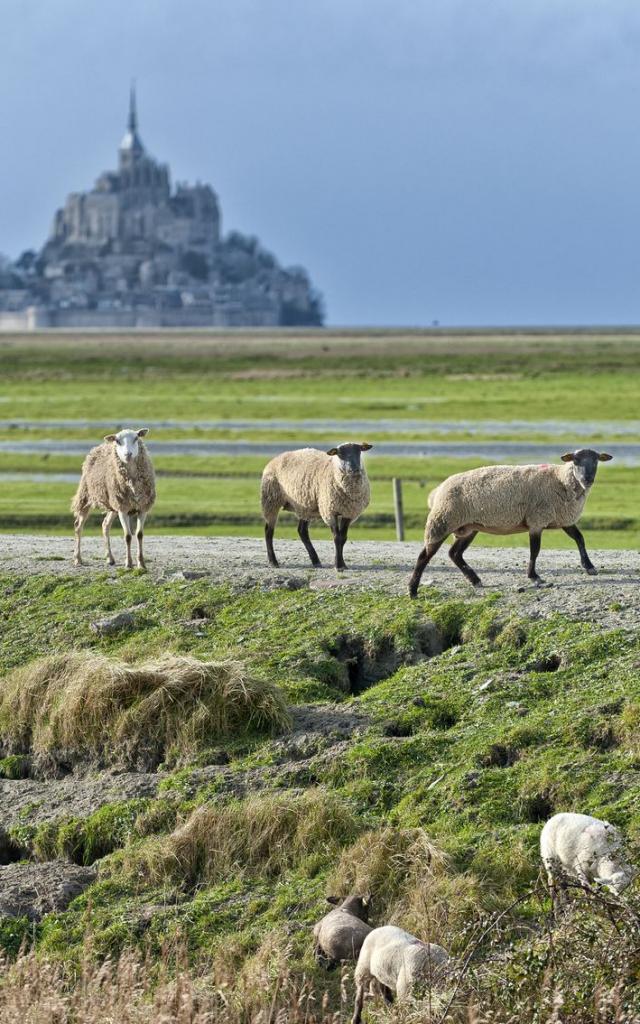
341	932
332	486
505	500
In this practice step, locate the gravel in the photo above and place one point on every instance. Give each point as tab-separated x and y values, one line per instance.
612	598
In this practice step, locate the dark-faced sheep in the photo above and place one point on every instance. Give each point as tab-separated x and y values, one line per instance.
332	486
509	499
341	932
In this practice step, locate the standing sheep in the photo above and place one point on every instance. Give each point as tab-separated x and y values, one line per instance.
399	963
579	848
505	500
117	477
341	932
332	486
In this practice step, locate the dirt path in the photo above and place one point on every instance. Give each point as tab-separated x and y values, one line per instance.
612	598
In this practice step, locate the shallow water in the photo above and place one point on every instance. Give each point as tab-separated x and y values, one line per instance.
627	453
580	429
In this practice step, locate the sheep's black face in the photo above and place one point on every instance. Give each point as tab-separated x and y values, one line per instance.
350	456
356	905
585	464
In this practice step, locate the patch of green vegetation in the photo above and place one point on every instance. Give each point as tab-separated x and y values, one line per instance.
434	803
15	766
85	840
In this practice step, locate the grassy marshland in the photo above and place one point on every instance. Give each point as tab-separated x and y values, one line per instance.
433	799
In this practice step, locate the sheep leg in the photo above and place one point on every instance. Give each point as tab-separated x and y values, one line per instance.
535	540
78	525
456	552
339	539
585	561
424	558
269	530
303	533
139	535
126	528
106	533
387	994
357	1009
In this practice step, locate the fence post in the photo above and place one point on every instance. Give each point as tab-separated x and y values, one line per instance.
397	507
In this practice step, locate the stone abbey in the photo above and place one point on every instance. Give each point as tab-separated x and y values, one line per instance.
133	252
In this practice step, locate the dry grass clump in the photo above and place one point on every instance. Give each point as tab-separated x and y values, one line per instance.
128	991
410	883
262	834
83	705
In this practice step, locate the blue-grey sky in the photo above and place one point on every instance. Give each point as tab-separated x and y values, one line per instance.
470	161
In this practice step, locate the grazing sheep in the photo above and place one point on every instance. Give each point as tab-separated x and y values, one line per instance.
399	963
117	477
579	848
341	932
332	486
509	499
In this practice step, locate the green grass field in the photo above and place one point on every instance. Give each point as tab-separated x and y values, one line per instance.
548	380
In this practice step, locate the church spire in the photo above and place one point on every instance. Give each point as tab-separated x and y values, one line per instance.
132	123
131	147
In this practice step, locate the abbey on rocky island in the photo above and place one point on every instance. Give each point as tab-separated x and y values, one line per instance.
133	252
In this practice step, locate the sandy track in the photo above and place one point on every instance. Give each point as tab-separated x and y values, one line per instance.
611	598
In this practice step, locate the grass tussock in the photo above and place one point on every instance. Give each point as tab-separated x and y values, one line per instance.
263	834
410	882
84	705
35	990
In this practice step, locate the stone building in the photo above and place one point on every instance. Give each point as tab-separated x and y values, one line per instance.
135	252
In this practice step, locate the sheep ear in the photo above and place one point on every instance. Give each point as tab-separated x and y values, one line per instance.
605	457
110	437
142	432
332	451
568	457
366	900
364	447
334	900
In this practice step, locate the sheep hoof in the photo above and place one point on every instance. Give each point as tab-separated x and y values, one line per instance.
111	561
78	561
591	570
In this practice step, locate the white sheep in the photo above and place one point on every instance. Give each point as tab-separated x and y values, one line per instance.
117	477
400	964
332	486
580	848
505	500
341	932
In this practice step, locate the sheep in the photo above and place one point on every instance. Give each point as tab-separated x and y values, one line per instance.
580	848
117	477
341	932
505	500
332	486
399	963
